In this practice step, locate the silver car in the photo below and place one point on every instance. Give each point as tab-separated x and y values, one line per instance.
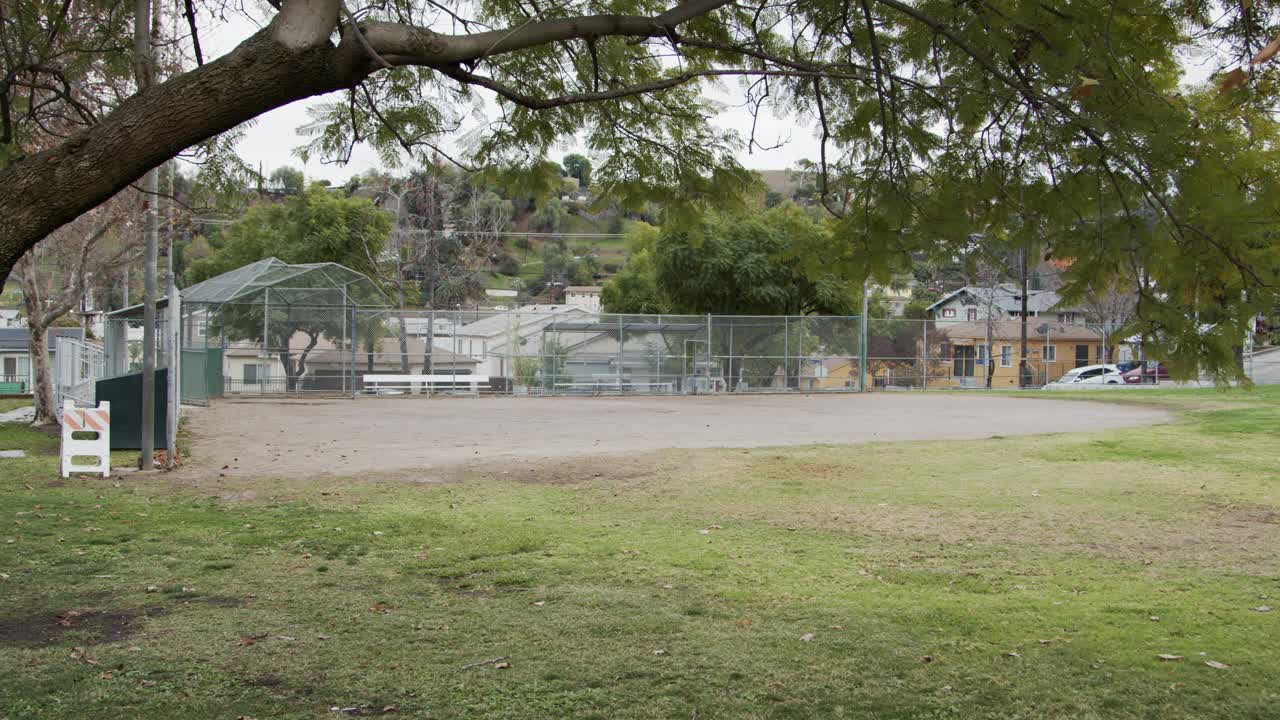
1087	376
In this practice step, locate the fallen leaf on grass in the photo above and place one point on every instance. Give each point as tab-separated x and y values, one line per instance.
78	653
1217	665
1262	608
660	652
540	603
502	666
1013	654
926	659
386	709
247	640
1170	658
807	637
322	637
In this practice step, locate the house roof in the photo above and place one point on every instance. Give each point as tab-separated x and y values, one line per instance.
584	288
20	338
1012	330
1005	296
524	315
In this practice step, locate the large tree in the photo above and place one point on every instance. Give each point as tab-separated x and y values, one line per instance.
77	260
935	118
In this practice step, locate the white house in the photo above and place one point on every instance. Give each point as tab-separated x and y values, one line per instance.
970	304
586	297
17	371
496	339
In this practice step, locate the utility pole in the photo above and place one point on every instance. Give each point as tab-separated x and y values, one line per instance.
1024	378
144	71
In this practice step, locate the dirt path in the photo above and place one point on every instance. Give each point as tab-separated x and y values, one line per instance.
375	435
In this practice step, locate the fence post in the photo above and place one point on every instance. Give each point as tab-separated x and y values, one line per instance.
710	386
862	376
786	350
926	353
352	370
174	330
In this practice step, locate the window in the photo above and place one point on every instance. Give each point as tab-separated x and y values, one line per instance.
982	354
1066	317
1006	356
255	373
948	312
10	368
972	314
1051	353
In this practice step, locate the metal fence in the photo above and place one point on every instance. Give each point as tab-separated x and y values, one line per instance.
568	350
80	365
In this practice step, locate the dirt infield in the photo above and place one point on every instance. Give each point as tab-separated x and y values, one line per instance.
375	435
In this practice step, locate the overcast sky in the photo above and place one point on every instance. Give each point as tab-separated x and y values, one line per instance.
273	137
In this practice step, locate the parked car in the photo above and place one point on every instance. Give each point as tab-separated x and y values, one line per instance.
1088	375
1127	365
1153	372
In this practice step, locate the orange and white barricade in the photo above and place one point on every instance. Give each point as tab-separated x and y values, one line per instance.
86	420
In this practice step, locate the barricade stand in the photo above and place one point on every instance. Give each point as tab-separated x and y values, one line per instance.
86	420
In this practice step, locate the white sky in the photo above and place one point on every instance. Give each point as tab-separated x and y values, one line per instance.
273	137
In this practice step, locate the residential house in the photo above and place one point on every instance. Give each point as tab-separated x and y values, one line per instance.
586	297
897	296
1052	349
17	371
829	373
971	303
495	340
621	352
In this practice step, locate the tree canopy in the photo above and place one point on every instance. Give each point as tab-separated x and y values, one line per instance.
730	264
315	226
578	166
936	120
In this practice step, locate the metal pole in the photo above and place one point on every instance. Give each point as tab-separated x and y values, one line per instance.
862	375
709	382
729	362
618	372
353	354
786	350
926	353
175	371
152	230
351	366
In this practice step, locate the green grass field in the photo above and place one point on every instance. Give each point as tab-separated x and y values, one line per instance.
1030	577
7	404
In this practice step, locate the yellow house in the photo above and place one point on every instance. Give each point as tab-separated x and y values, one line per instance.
1052	350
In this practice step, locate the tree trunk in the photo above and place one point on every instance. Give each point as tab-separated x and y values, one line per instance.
46	412
404	333
49	189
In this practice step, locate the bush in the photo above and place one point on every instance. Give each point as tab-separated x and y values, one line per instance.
523	243
508	265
